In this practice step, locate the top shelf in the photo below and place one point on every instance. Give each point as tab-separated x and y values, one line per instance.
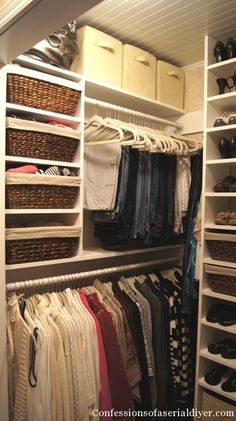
226	67
105	92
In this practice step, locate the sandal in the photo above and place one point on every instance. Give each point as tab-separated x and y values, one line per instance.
228	184
222	217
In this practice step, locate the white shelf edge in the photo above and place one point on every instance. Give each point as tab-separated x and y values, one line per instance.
209	293
210	261
221	161
41	263
221	194
220	227
231	363
221	128
11	158
42	113
222	97
229	329
217	389
221	64
41	211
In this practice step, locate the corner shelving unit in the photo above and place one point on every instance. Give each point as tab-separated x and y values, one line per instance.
214	171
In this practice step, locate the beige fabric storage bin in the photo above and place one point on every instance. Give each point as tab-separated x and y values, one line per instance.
100	56
170	84
138	71
210	403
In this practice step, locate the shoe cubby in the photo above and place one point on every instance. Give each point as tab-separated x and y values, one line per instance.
213	205
212	146
215	175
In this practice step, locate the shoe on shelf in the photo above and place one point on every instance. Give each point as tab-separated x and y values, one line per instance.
214	376
232	218
228	117
224	148
229	351
232	146
230	384
222	217
213	313
221	347
231	48
227	315
227	185
223	86
220	52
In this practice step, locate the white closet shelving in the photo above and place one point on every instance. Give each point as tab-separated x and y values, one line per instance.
215	170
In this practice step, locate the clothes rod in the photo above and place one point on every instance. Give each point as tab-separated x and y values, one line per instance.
71	278
129	111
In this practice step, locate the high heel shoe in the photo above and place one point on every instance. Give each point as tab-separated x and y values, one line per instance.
232	146
231	48
220	52
223	86
224	148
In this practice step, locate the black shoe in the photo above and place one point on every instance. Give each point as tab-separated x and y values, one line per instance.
213	313
224	148
231	48
227	315
230	384
213	377
229	352
220	347
220	52
232	146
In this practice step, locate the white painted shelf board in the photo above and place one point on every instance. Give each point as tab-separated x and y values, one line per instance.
231	363
127	99
220	227
42	115
221	194
41	211
47	68
223	64
229	329
210	261
224	100
99	253
11	158
221	129
42	263
217	389
221	161
209	293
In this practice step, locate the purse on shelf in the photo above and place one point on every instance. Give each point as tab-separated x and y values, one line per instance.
58	49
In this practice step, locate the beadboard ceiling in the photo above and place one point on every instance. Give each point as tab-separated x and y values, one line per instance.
172	30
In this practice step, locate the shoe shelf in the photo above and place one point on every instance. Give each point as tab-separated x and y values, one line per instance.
42	211
227	329
218	389
215	169
26	160
231	363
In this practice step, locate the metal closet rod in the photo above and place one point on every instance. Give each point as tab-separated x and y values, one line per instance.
129	111
67	279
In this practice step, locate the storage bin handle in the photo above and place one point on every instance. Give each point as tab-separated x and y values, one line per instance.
143	59
105	46
173	73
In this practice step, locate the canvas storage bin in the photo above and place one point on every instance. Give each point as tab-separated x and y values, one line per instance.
221	279
211	403
99	57
169	84
27	191
32	244
40	140
221	246
138	71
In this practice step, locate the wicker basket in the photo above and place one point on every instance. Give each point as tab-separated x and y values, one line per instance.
24	191
41	94
40	140
25	245
221	246
221	279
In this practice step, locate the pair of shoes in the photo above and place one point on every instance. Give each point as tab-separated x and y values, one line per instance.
228	117
224	314
225	217
214	376
230	384
226	85
227	185
227	147
224	52
226	347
